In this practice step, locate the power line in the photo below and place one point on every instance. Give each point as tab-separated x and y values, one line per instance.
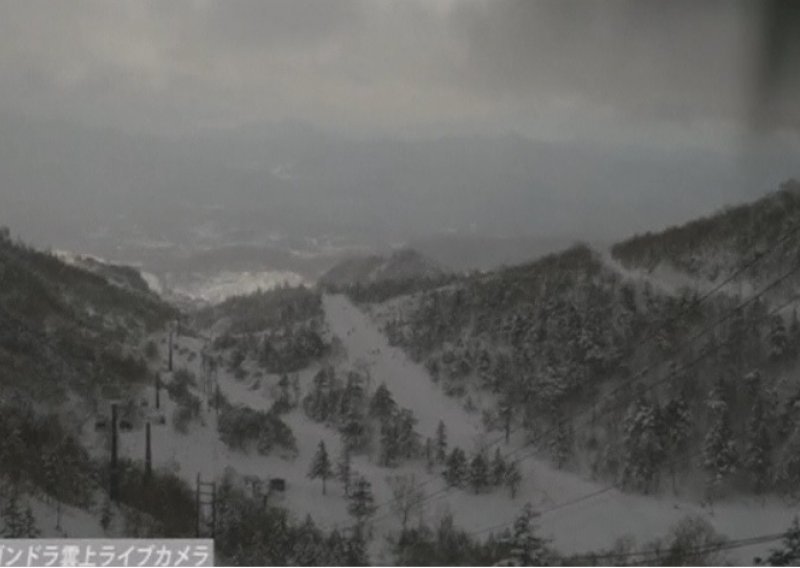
653	556
653	333
436	495
649	387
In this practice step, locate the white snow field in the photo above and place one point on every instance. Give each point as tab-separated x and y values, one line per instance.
670	280
588	524
216	288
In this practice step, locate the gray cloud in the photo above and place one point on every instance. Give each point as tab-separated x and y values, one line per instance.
380	64
621	98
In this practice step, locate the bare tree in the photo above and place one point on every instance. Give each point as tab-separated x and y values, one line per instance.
407	497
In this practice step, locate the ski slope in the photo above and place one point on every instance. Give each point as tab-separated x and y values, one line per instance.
588	524
410	383
578	515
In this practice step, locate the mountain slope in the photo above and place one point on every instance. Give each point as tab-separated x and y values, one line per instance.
613	376
713	248
404	264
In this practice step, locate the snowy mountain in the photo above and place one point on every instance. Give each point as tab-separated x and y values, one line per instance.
397	414
401	265
120	275
726	246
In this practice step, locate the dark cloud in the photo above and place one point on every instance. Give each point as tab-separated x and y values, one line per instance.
378	64
668	59
619	96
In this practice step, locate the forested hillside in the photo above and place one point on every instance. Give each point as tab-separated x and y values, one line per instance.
65	328
425	386
615	378
728	243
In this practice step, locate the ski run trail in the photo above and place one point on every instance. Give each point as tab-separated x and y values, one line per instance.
589	524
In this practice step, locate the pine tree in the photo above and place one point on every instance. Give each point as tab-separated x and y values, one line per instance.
441	442
354	433
455	468
758	446
106	515
361	504
29	529
284	401
321	466
13	520
336	546
53	475
787	466
561	443
778	340
526	548
353	396
344	469
382	405
794	333
789	554
357	549
479	473
675	430
409	438
498	468
513	478
644	450
390	443
308	546
719	450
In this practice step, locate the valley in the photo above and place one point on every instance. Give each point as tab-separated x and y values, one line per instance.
440	400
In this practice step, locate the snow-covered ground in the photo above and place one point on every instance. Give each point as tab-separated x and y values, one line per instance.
409	382
588	524
220	286
669	280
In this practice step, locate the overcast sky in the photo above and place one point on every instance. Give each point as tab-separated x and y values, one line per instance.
663	78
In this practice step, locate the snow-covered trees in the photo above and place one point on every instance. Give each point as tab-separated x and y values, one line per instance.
358	418
344	469
361	502
778	338
675	430
17	523
321	466
240	427
399	440
720	455
498	468
523	546
758	445
789	553
322	402
382	405
561	443
513	478
455	470
441	442
479	475
644	449
690	542
250	534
